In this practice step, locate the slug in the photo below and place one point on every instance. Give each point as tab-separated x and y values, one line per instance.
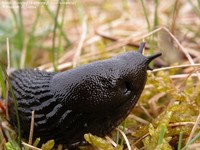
92	98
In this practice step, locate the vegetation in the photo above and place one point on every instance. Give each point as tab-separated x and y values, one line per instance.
60	35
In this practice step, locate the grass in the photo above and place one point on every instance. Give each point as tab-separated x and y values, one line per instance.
63	35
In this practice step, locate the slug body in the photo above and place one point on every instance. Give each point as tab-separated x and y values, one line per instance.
92	98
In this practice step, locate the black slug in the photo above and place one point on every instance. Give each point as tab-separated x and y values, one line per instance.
92	98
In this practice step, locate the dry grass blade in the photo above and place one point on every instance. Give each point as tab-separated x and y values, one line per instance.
31	128
140	120
176	40
175	67
30	146
8	72
76	59
194	128
111	141
125	138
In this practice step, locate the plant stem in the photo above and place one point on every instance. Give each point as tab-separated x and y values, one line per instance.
146	16
54	51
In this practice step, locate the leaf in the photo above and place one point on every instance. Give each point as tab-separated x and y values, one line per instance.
99	142
9	146
48	145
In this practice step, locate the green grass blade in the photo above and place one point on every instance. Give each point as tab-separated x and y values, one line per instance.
14	15
180	140
156	14
60	45
124	127
15	103
146	16
31	36
59	25
54	51
36	142
162	134
117	137
3	85
21	29
191	141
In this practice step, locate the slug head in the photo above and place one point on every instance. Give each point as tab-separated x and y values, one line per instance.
104	85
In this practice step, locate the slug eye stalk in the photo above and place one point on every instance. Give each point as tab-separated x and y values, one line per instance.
141	48
149	58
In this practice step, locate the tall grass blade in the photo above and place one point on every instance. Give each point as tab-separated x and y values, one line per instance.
191	141
14	15
31	36
146	16
124	127
156	14
21	32
117	137
59	25
54	51
162	134
3	85
60	45
180	140
15	103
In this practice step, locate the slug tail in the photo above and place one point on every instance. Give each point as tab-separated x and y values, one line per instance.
141	48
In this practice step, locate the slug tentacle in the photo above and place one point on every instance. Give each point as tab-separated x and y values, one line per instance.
92	98
141	48
152	57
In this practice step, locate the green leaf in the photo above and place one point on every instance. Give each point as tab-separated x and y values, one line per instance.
100	143
9	146
48	145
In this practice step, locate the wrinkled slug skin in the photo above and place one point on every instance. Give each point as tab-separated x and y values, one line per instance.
92	98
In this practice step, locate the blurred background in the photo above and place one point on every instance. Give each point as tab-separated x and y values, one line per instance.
57	32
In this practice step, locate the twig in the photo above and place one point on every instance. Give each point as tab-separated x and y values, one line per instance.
31	128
